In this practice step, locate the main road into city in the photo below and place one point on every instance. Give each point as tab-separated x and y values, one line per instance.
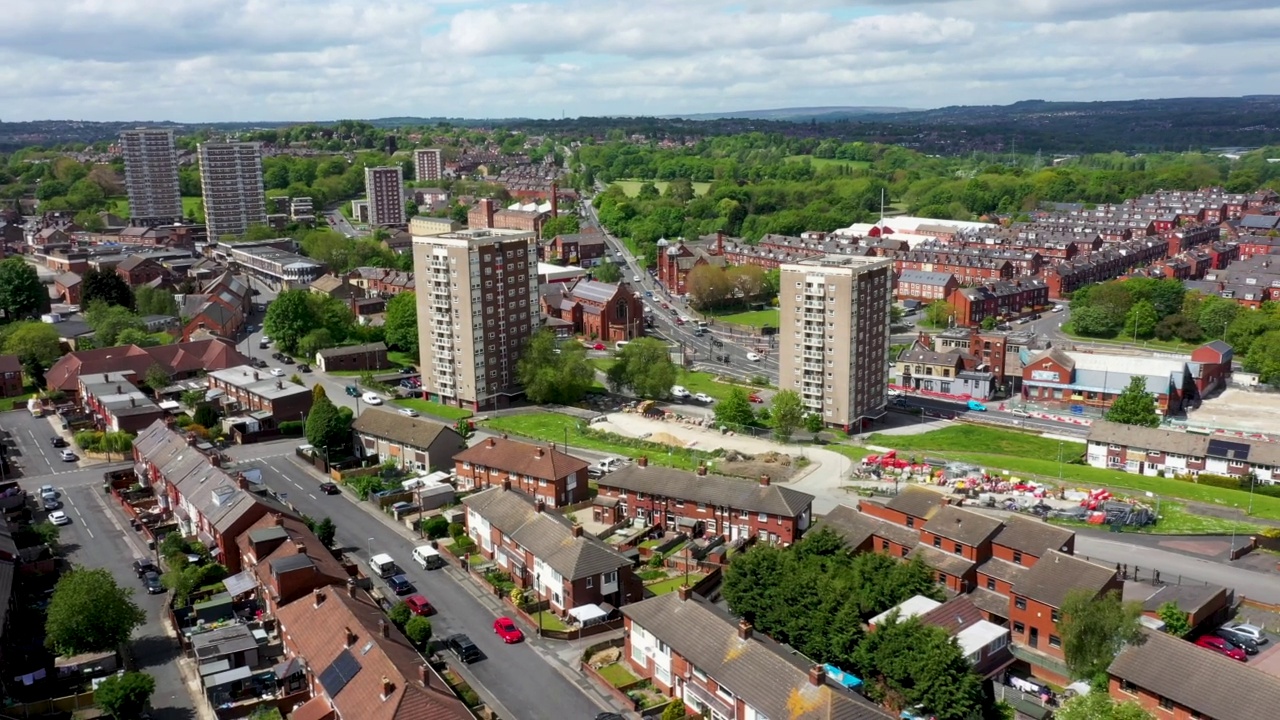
529	679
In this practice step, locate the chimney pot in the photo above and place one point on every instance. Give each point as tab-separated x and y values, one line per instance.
493	442
318	594
643	461
351	637
540	505
764	481
539	452
702	469
506	483
424	675
817	676
683	592
387	687
351	589
744	630
384	628
577	531
504	437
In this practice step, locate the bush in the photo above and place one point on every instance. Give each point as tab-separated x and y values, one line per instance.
436	527
366	485
457	530
400	614
464	545
89	440
183	421
293	428
418	630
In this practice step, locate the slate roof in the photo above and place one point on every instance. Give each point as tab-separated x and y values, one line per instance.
940	560
1144	438
414	432
547	535
715	490
916	501
353	350
1033	537
856	527
1211	684
1189	598
1002	570
537	461
1055	575
925	277
757	670
962	526
990	601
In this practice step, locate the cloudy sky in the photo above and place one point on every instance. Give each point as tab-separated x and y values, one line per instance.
229	60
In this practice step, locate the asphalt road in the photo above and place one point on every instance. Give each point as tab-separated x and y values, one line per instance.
1252	584
519	676
30	452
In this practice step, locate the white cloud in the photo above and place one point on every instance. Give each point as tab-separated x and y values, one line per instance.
324	59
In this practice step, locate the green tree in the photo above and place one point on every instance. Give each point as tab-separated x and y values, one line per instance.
157	378
1263	357
1140	322
564	224
136	336
606	272
1093	630
401	323
37	346
400	614
205	415
1174	619
1093	321
674	711
106	286
988	322
327	428
418	630
315	341
108	321
21	293
1134	405
645	368
465	428
909	663
326	532
552	374
1216	314
125	696
735	410
939	313
788	413
266	712
193	398
289	318
89	612
154	301
1098	705
813	423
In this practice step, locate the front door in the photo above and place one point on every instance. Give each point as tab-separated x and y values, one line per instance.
1034	639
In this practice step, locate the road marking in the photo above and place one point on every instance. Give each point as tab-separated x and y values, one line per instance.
295	484
313	497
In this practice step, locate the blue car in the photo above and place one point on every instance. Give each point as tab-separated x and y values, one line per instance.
977	406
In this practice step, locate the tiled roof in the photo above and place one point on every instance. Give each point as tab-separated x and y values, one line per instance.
992	602
318	633
353	350
855	527
1033	537
547	535
916	501
941	561
1189	598
10	363
295	540
953	615
715	490
537	461
1055	575
963	526
184	358
757	670
1002	570
414	432
1204	681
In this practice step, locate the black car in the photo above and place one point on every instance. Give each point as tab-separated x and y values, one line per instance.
277	355
152	582
1244	642
609	716
406	371
286	360
329	488
58	442
462	646
303	367
142	566
51	504
400	585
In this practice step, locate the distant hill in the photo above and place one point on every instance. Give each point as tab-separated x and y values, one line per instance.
796	114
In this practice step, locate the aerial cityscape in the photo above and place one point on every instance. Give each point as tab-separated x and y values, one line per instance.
868	362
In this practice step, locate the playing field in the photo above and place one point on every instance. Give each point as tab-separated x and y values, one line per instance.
121	207
820	163
632	187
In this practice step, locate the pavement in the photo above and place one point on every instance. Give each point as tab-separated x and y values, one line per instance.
538	678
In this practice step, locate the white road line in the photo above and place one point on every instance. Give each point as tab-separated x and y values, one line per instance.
295	484
90	532
313	497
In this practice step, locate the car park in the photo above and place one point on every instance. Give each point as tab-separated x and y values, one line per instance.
151	581
68	456
461	646
58	517
507	630
58	442
1254	632
400	584
418	605
704	398
408	412
1241	641
1222	647
329	488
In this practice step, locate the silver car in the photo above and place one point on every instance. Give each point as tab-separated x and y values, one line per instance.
1253	632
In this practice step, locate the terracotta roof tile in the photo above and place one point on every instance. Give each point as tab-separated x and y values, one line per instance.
537	461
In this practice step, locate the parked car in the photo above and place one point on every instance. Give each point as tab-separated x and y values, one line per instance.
58	442
1250	631
400	584
408	412
353	391
597	346
595	473
287	360
753	357
755	398
68	456
418	604
151	581
1218	645
142	566
704	398
277	372
371	398
679	392
58	517
50	504
277	355
48	492
507	630
303	367
329	488
406	371
1243	642
462	646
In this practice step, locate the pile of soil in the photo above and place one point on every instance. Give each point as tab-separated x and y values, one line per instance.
666	439
608	656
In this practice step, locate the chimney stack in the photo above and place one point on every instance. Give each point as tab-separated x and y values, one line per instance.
318	594
817	676
506	483
643	461
351	637
387	687
242	481
351	589
493	442
744	630
764	481
504	437
385	628
540	505
540	453
424	675
577	531
683	592
279	519
702	469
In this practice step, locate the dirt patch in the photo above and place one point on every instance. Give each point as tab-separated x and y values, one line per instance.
666	439
1236	409
608	656
779	468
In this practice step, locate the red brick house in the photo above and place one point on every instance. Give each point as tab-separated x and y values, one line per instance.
675	262
703	505
600	311
288	560
1039	593
545	553
10	376
181	360
999	300
139	270
924	286
541	472
581	249
68	286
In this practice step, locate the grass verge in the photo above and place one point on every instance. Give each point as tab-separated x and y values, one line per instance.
17	402
693	381
426	407
617	675
755	318
966	438
549	621
552	427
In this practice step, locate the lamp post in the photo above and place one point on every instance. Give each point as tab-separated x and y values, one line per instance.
368	546
1059	462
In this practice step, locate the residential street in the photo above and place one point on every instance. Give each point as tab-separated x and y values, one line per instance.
1254	585
528	680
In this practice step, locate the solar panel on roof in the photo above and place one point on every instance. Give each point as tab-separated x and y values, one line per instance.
1229	449
339	673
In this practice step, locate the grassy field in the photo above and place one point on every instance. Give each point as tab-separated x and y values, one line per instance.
821	163
632	187
426	407
1175	520
550	621
403	359
694	382
756	318
666	586
1044	465
552	427
1170	345
966	438
120	206
617	675
18	402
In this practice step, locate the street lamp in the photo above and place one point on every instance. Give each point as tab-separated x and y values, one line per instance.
368	546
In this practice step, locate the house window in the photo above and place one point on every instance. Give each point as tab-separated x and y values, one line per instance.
698	673
1165	703
911	522
1056	616
1019	628
905	550
991	583
942	578
959	549
884	545
611	577
591	582
937	541
1055	641
1017	557
1020	602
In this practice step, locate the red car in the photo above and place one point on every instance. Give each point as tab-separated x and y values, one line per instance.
597	346
507	630
665	306
755	398
1219	645
418	605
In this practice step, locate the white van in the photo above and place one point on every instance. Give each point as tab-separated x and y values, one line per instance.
383	565
620	344
608	465
428	557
